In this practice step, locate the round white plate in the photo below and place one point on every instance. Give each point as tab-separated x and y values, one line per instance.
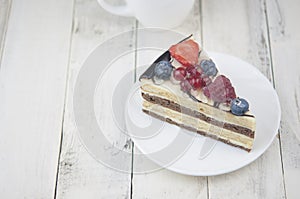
250	84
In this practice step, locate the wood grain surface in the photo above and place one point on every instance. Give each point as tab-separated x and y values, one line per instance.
33	80
285	45
80	175
43	46
4	15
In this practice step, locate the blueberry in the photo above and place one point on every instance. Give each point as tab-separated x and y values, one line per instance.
163	70
239	106
209	67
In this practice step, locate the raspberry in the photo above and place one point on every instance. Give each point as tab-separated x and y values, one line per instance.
196	82
179	73
220	90
207	80
185	85
185	52
192	71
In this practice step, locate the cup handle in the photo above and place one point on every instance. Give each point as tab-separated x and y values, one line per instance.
117	10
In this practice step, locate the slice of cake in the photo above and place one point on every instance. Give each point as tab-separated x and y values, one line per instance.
184	87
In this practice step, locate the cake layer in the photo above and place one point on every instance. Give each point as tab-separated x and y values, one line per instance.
172	93
199	126
194	113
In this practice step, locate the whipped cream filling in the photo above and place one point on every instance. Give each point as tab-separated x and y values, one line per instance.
234	138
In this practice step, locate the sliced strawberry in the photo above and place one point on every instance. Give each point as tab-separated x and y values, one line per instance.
185	52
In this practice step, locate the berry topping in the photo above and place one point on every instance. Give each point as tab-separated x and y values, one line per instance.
185	85
179	73
196	82
239	106
220	90
207	80
189	78
185	52
209	67
163	70
192	71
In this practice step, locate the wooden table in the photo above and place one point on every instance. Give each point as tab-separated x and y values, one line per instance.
42	47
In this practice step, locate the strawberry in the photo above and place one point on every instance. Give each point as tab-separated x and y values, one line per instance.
185	52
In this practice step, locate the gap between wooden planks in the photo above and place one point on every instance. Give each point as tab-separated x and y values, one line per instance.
5	6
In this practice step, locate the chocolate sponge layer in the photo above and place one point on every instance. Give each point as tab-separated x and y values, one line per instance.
194	113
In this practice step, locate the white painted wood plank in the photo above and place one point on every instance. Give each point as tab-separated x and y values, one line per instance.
239	28
81	176
167	184
163	183
32	79
285	44
4	15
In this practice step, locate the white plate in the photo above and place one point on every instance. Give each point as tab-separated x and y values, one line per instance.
250	84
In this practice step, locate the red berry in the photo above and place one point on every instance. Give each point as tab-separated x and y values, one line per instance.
230	94
185	52
179	73
191	71
185	85
220	90
207	80
196	82
206	92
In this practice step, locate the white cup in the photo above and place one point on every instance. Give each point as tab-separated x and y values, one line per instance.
153	13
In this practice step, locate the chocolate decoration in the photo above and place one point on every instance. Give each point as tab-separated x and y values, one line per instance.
216	104
149	73
186	38
193	97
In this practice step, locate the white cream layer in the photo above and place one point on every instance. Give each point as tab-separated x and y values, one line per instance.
200	125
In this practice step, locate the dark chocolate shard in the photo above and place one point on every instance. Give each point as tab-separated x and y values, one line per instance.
186	38
193	97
